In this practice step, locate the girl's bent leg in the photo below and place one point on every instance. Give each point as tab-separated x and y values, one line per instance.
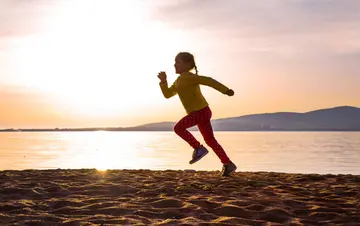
181	130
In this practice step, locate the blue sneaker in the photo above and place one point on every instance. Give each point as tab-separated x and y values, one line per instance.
228	169
198	154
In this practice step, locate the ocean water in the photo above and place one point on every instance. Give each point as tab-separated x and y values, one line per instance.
289	152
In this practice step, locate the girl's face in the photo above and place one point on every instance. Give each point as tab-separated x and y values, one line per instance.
181	66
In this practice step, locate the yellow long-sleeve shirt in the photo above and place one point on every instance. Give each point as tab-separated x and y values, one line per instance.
187	86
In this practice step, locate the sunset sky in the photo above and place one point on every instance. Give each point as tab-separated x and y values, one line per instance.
82	63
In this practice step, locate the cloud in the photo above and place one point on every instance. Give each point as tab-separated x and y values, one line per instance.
255	18
276	31
20	17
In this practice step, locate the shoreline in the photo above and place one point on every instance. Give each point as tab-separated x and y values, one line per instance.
169	130
184	170
176	197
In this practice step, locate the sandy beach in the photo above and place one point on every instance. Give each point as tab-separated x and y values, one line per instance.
146	197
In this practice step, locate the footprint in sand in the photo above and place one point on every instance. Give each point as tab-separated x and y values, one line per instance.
167	203
204	204
232	211
276	215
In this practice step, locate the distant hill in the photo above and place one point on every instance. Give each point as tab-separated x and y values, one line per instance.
337	118
343	118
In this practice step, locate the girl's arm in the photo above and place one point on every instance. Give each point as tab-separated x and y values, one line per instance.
167	91
208	81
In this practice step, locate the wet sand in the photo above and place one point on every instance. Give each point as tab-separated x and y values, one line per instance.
147	197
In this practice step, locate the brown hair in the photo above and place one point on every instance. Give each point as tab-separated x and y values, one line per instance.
188	58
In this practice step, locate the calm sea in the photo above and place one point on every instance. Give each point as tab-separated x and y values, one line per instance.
291	152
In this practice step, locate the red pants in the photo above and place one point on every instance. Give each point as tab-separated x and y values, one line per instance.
202	120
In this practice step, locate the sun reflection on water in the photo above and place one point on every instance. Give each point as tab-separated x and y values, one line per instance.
106	150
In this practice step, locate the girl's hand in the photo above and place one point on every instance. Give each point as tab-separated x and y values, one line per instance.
230	92
162	76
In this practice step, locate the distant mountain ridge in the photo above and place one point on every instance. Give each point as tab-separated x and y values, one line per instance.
342	118
337	118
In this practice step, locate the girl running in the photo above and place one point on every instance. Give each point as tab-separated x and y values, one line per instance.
187	86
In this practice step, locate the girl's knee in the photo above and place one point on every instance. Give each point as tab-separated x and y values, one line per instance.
178	128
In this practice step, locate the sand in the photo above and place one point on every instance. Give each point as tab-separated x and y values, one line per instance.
145	197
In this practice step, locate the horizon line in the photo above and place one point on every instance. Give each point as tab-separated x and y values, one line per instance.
150	123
